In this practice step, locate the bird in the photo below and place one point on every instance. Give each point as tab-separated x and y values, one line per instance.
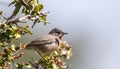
48	43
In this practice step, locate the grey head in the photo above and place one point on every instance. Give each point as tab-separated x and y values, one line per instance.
57	32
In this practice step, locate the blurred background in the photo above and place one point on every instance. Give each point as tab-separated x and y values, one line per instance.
93	27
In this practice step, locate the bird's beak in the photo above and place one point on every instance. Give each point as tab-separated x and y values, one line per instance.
65	33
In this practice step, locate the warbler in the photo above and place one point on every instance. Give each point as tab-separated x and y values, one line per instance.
46	43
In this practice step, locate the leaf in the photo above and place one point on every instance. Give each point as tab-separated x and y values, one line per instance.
28	65
17	36
35	2
27	26
1	12
38	7
16	10
43	18
54	66
9	32
7	51
69	54
23	10
13	47
28	31
56	53
17	65
13	27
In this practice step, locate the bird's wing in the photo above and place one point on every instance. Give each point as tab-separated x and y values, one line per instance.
47	39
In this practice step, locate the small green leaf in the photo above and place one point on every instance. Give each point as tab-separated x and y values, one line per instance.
9	32
25	11
7	52
38	7
35	2
27	26
56	53
34	13
13	27
11	36
1	12
28	65
16	65
17	36
54	66
43	18
28	31
13	47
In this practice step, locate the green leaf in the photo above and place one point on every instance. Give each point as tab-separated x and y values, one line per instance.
17	9
35	2
13	27
54	66
27	26
28	31
9	32
28	65
7	52
43	18
1	12
11	36
34	13
38	7
17	36
13	47
25	11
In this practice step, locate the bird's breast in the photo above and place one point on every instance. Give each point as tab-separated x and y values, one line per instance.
51	47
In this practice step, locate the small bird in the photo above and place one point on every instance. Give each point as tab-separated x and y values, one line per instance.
47	43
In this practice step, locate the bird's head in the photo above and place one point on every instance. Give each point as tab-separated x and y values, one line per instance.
57	32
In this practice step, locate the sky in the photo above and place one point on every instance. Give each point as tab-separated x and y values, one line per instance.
93	27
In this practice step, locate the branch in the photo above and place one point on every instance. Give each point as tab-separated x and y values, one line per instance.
19	19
